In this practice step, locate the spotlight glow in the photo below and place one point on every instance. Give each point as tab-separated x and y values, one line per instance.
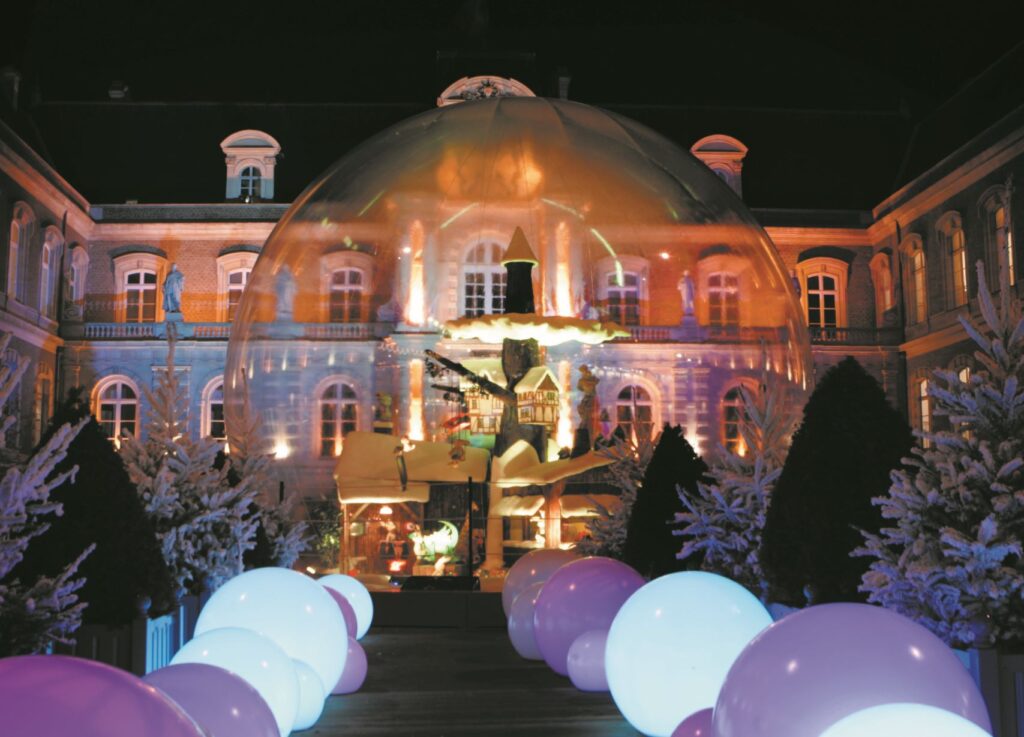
904	720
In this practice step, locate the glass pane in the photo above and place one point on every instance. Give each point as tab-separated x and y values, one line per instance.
134	278
127	392
149	278
813	283
127	413
331	391
347	392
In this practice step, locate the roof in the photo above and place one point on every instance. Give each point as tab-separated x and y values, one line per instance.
519	251
533	378
519	466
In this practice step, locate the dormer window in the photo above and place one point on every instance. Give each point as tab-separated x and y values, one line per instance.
724	156
250	157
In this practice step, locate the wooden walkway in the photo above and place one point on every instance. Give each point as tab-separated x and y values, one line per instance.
462	682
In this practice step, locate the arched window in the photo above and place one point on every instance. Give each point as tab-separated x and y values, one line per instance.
723	299
924	408
213	425
44	402
346	298
116	406
823	294
916	279
339	415
483	280
881	277
12	407
49	268
950	234
18	249
733	416
250	181
999	247
140	295
237	279
622	295
77	271
634	412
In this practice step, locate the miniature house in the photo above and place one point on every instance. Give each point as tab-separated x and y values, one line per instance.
484	410
537	397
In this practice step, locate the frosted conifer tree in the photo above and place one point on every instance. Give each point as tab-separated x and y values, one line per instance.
204	524
286	538
724	520
37	613
952	557
606	533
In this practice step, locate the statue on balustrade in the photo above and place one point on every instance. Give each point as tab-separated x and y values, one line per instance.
174	287
284	289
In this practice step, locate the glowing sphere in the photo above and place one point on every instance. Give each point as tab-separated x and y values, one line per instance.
389	237
580	596
351	623
586	661
672	643
695	725
830	661
255	659
355	669
520	623
288	607
57	696
357	596
904	720
311	696
534	567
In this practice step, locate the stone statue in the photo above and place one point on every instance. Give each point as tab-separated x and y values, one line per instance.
284	288
796	282
588	406
174	286
382	422
686	289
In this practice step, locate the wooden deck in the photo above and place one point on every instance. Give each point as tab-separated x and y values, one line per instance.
462	682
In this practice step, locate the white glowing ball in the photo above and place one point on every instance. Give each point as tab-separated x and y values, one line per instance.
672	643
311	696
357	595
291	609
256	660
904	720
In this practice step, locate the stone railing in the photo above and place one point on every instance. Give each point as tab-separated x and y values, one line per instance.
222	330
855	336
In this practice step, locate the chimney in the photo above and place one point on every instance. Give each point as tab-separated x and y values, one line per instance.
564	78
10	84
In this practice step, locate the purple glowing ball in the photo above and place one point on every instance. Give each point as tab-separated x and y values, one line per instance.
586	661
222	703
354	675
520	623
346	610
580	596
56	696
827	662
534	567
695	725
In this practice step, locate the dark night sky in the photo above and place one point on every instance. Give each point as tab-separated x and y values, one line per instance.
794	53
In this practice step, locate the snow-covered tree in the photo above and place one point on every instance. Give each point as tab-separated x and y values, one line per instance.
724	520
952	558
282	538
204	523
34	614
606	533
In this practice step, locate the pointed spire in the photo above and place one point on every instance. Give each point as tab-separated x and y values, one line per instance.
519	250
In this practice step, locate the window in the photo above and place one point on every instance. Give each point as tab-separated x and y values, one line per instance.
213	425
78	268
823	290
822	299
916	279
12	408
724	156
346	298
249	183
723	299
140	296
483	280
634	412
924	408
18	249
623	298
49	268
734	414
339	415
950	234
999	245
44	403
117	407
237	280
881	277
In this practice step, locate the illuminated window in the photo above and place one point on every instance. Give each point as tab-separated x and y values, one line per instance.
733	417
12	407
213	425
49	268
140	296
339	415
999	247
44	403
623	298
822	301
250	182
634	412
117	407
723	299
237	279
346	298
483	280
924	408
881	277
823	291
18	248
950	234
916	279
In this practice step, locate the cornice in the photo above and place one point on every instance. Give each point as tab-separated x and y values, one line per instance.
30	179
934	341
818	236
255	232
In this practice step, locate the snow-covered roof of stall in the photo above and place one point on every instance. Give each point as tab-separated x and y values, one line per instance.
519	466
489	367
547	330
534	378
367	469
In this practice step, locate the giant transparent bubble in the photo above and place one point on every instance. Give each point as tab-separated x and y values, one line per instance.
407	232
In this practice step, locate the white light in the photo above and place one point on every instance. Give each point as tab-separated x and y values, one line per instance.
672	643
357	596
904	720
288	607
257	661
311	695
281	449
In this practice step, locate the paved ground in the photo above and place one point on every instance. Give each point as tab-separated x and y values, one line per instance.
461	682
